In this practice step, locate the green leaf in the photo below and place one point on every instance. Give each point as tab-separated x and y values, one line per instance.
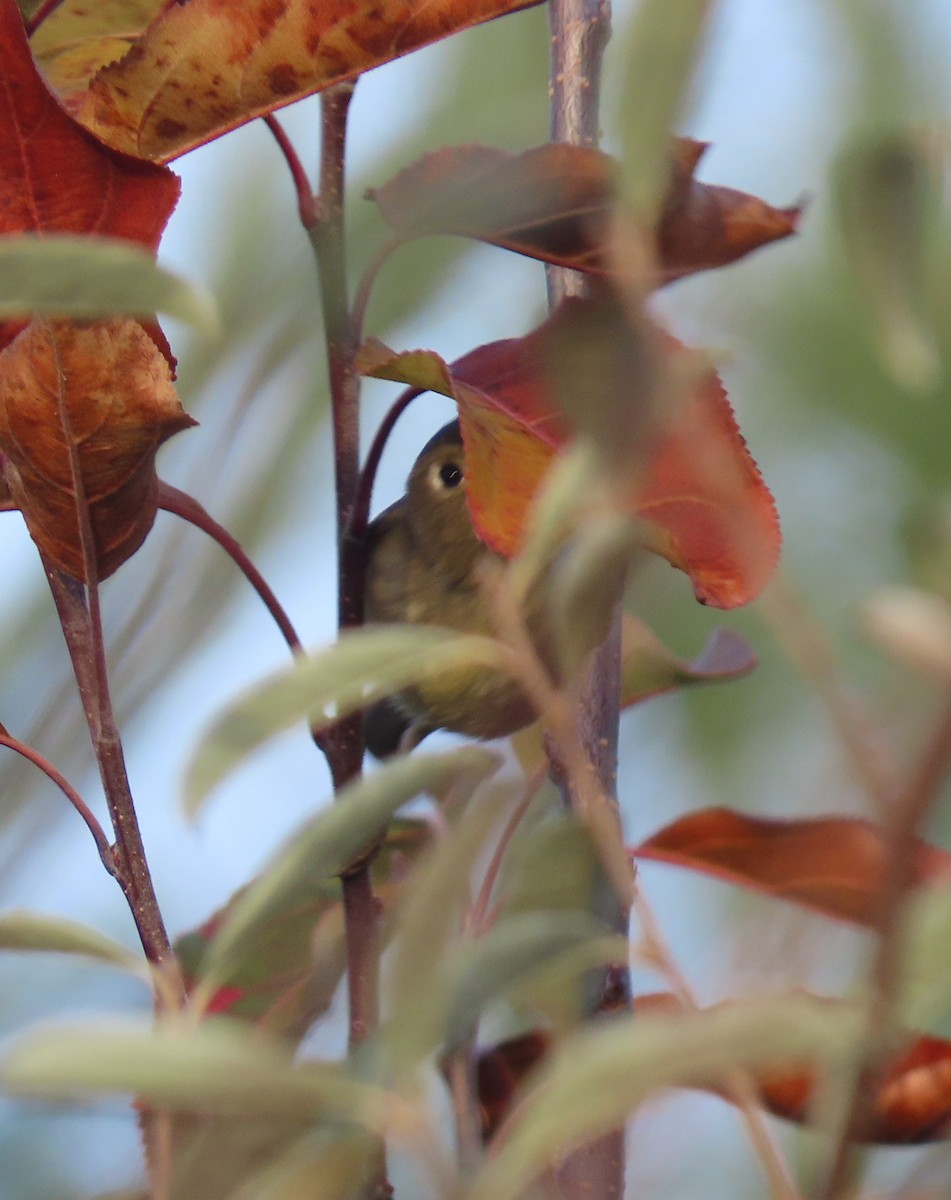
648	667
658	60
363	666
217	1067
31	931
429	918
886	192
62	275
926	971
596	1078
587	586
330	842
328	1166
514	952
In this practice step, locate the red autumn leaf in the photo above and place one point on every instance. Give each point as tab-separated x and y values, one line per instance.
83	410
834	865
913	1103
205	67
55	177
699	491
554	203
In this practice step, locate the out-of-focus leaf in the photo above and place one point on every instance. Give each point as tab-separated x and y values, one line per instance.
555	203
214	1067
429	917
704	504
648	668
363	666
67	276
24	930
591	1083
926	971
78	38
331	841
913	625
659	56
83	411
886	192
514	951
108	194
203	68
586	587
328	1166
835	865
285	976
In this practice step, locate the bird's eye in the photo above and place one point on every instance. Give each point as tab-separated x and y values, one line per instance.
450	475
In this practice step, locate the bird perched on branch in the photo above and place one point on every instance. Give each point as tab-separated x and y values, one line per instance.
423	559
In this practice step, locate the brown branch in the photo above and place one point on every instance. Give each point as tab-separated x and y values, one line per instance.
345	745
579	33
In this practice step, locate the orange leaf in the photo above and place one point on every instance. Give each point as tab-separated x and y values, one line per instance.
704	503
207	66
554	203
83	410
834	865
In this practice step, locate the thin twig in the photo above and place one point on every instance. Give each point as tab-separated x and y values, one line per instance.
361	297
92	824
181	504
360	516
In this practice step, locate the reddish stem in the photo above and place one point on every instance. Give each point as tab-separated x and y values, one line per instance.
360	517
181	504
305	193
98	833
44	10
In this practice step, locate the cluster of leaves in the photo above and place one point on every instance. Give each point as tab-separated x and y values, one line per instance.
86	398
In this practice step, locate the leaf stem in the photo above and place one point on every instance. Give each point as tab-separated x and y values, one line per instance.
92	824
305	193
44	10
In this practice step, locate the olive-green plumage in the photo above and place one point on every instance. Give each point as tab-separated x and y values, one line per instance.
422	569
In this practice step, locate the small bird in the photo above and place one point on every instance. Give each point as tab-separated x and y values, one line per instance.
423	559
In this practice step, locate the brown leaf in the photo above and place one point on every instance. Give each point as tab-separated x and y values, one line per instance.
83	410
555	202
834	865
207	66
703	226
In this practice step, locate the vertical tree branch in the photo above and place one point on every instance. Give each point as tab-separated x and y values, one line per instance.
345	747
579	34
